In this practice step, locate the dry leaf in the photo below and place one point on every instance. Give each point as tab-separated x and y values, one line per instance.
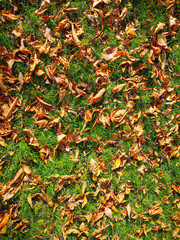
30	201
130	31
128	210
161	40
96	3
95	169
118	87
44	104
159	27
75	35
11	17
97	97
108	212
4	220
109	53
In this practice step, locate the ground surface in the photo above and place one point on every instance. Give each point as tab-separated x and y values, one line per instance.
89	119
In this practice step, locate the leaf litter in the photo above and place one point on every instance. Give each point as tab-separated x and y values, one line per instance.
110	105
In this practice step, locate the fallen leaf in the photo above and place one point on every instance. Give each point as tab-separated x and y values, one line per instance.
108	212
44	104
11	17
98	2
95	169
159	27
97	97
128	210
75	35
109	53
30	201
118	87
4	220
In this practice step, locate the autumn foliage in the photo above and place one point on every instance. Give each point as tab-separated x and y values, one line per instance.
117	124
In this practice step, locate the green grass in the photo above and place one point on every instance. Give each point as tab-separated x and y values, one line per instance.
148	189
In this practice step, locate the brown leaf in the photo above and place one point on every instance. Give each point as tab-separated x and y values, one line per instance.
47	33
2	86
128	210
130	30
44	104
108	212
99	230
30	200
159	27
44	196
95	169
75	35
73	230
84	186
117	115
4	220
84	202
142	169
123	13
12	108
11	17
96	3
50	71
161	40
14	185
35	62
108	53
97	97
88	117
118	87
65	180
2	142
176	217
31	138
88	216
175	233
155	210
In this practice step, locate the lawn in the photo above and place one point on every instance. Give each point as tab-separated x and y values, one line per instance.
89	119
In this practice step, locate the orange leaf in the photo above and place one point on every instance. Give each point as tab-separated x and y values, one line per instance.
4	220
30	200
118	87
97	97
11	17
